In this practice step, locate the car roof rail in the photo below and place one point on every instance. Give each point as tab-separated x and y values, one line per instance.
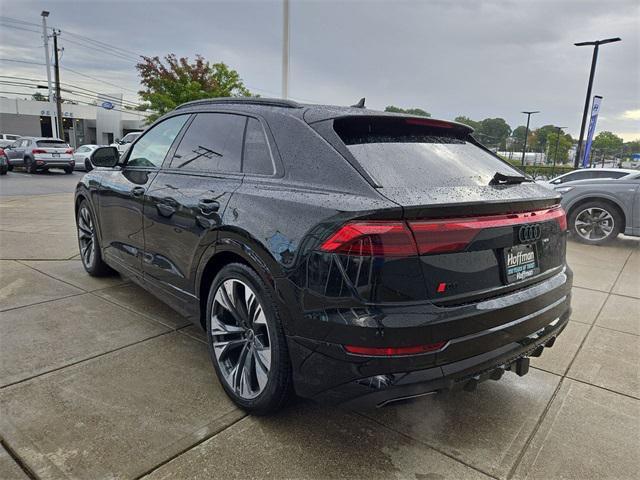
267	102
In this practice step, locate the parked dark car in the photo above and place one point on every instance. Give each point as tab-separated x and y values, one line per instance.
338	253
40	153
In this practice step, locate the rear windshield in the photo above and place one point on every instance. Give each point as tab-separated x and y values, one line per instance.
52	144
407	152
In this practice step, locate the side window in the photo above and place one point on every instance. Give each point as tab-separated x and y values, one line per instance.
213	143
257	156
154	145
609	174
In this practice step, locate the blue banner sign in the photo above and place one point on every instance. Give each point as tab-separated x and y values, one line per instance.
595	109
107	105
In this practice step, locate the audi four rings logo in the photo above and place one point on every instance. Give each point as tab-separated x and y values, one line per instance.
529	233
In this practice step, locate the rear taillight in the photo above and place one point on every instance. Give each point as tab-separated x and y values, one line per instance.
394	351
422	237
372	239
69	151
37	150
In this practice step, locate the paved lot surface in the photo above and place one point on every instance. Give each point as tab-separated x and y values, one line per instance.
100	380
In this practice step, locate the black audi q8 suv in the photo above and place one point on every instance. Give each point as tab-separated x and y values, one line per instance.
338	253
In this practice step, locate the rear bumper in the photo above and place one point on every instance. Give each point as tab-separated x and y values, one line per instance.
523	323
380	390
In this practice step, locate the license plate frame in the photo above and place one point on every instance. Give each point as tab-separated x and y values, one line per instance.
521	262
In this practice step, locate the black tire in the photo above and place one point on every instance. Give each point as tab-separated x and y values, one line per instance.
29	165
87	165
278	387
604	222
68	170
92	263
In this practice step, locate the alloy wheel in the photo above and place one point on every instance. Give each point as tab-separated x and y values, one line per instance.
86	236
240	338
594	224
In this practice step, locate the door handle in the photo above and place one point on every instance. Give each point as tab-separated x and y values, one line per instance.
165	210
137	191
208	205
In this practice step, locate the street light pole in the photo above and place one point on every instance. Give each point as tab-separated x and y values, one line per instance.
526	134
555	155
594	59
285	49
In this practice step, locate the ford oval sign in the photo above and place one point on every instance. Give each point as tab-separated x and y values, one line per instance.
107	105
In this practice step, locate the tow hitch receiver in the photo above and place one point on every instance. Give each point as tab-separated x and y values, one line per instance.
522	366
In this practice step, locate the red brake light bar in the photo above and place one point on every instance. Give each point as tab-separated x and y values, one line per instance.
396	238
38	150
394	351
428	123
372	239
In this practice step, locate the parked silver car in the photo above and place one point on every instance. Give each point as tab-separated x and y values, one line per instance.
590	174
598	210
82	157
40	153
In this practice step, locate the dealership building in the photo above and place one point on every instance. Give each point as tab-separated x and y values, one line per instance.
83	124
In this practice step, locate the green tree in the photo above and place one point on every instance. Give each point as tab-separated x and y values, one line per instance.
38	97
629	148
169	82
467	121
607	142
410	111
518	137
541	137
493	132
564	145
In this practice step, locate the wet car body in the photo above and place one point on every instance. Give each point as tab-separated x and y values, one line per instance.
449	318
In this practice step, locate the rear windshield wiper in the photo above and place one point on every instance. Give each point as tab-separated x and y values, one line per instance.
502	179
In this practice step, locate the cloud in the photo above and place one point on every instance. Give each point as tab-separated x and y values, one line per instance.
631	114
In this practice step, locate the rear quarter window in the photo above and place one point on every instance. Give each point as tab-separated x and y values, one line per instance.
257	156
412	153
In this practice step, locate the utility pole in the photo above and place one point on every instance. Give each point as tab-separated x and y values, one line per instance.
45	35
594	59
555	155
526	134
57	73
285	49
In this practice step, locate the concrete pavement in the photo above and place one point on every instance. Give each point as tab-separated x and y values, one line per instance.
98	379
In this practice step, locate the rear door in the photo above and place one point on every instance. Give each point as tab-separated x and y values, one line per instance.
185	206
16	152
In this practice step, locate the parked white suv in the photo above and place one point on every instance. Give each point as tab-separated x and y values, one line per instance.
7	139
124	143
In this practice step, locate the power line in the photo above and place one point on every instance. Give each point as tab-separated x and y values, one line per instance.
104	50
8	25
34	84
129	54
91	93
98	79
70	70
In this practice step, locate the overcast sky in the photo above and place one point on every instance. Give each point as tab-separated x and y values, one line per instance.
475	58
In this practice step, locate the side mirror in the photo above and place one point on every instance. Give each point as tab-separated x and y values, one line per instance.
105	157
